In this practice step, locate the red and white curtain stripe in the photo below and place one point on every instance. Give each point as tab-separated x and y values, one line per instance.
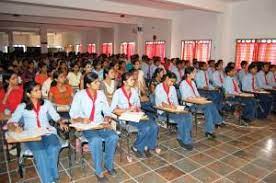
107	48
91	48
155	48
196	49
127	48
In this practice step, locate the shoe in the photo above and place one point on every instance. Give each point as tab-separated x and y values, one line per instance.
137	153
223	124
112	172
147	153
102	179
210	135
189	147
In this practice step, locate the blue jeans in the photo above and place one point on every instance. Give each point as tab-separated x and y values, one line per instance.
211	115
215	96
184	126
249	110
46	154
95	141
147	134
266	103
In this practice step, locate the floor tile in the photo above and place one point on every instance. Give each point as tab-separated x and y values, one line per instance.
215	153
205	175
270	178
255	171
202	158
154	162
136	169
269	165
227	148
186	178
233	161
171	156
187	165
151	177
240	177
220	168
170	172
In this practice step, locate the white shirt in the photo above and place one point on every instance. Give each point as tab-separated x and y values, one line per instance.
46	87
74	79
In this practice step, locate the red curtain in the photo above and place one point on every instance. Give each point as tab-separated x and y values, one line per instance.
255	50
156	48
107	48
199	49
127	48
91	48
188	50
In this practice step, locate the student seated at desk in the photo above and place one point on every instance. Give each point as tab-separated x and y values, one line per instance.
156	80
87	107
231	87
249	85
60	93
11	94
218	75
188	90
74	76
109	84
35	111
179	71
126	99
206	88
165	95
271	76
243	71
42	75
87	68
262	78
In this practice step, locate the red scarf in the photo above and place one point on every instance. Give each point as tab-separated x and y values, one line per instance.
253	82
126	95
266	82
236	87
206	78
220	77
191	85
92	113
36	110
167	91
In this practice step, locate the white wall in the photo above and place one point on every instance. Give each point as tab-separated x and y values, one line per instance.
249	19
193	25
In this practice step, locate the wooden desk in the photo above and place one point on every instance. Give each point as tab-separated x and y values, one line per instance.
11	140
197	101
170	110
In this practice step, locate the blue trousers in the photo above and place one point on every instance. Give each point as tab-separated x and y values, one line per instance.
211	115
147	134
215	96
95	141
46	154
266	103
250	105
184	126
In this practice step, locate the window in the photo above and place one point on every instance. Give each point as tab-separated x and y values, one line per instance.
255	50
196	49
18	46
78	48
91	48
69	48
127	48
156	48
107	48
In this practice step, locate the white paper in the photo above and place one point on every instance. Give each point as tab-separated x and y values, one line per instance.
84	126
180	108
26	134
63	108
132	116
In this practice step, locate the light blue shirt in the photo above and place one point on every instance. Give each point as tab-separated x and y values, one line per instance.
187	91
210	71
161	96
148	70
262	79
247	83
179	75
100	73
28	117
241	75
228	85
217	76
200	80
82	105
120	100
271	79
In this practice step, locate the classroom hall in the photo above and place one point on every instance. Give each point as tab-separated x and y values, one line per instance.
137	91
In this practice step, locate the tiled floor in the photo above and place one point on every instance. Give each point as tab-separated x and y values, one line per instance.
242	155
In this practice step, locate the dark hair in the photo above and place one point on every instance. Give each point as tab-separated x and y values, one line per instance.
126	76
244	63
201	64
28	87
211	61
179	62
55	76
228	69
157	71
106	71
251	66
169	75
188	70
89	78
97	62
6	77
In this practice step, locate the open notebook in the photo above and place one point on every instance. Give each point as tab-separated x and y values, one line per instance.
132	116
86	126
28	134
